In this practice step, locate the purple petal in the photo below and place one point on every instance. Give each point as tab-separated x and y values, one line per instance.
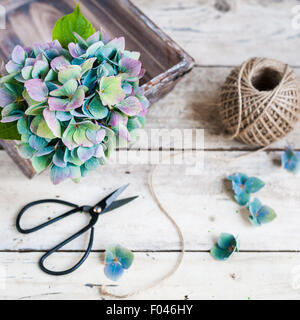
96	136
36	89
52	122
85	154
59	63
130	106
93	38
105	38
11	118
12	67
57	104
18	55
5	98
116	119
73	50
130	66
29	62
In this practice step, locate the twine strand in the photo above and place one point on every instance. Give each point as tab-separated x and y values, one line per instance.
103	290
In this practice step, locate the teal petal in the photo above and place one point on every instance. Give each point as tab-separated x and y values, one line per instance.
124	256
242	198
37	143
226	241
59	174
220	254
92	164
41	163
253	185
22	126
58	158
97	109
25	151
40	69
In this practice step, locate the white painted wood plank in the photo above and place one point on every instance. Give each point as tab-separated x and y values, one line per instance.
216	34
201	204
245	276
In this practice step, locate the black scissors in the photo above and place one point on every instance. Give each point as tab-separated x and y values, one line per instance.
109	203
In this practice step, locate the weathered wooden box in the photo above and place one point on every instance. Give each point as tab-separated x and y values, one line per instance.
29	21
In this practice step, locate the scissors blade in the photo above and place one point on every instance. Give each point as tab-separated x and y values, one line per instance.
120	203
105	203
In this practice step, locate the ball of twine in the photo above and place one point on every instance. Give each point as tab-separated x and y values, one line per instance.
260	101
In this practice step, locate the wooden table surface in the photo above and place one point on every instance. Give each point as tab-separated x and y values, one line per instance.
219	34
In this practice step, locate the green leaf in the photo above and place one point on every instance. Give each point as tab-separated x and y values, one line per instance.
73	22
9	131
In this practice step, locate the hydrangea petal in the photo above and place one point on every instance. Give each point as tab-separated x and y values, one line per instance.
57	104
25	151
59	63
67	137
84	154
266	214
77	100
92	164
12	67
96	108
59	174
22	126
113	271
68	73
111	91
37	143
290	160
41	163
52	122
242	198
219	253
131	106
96	136
18	55
36	89
226	240
130	66
253	185
58	158
40	69
75	172
125	256
5	98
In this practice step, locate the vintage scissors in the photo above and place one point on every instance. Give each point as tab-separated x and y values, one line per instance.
107	204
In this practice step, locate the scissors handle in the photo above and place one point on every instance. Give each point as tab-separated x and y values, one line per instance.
43	225
56	248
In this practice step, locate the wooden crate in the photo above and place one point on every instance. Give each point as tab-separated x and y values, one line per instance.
30	21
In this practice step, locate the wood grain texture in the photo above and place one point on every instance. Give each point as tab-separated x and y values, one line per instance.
202	205
245	276
218	34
